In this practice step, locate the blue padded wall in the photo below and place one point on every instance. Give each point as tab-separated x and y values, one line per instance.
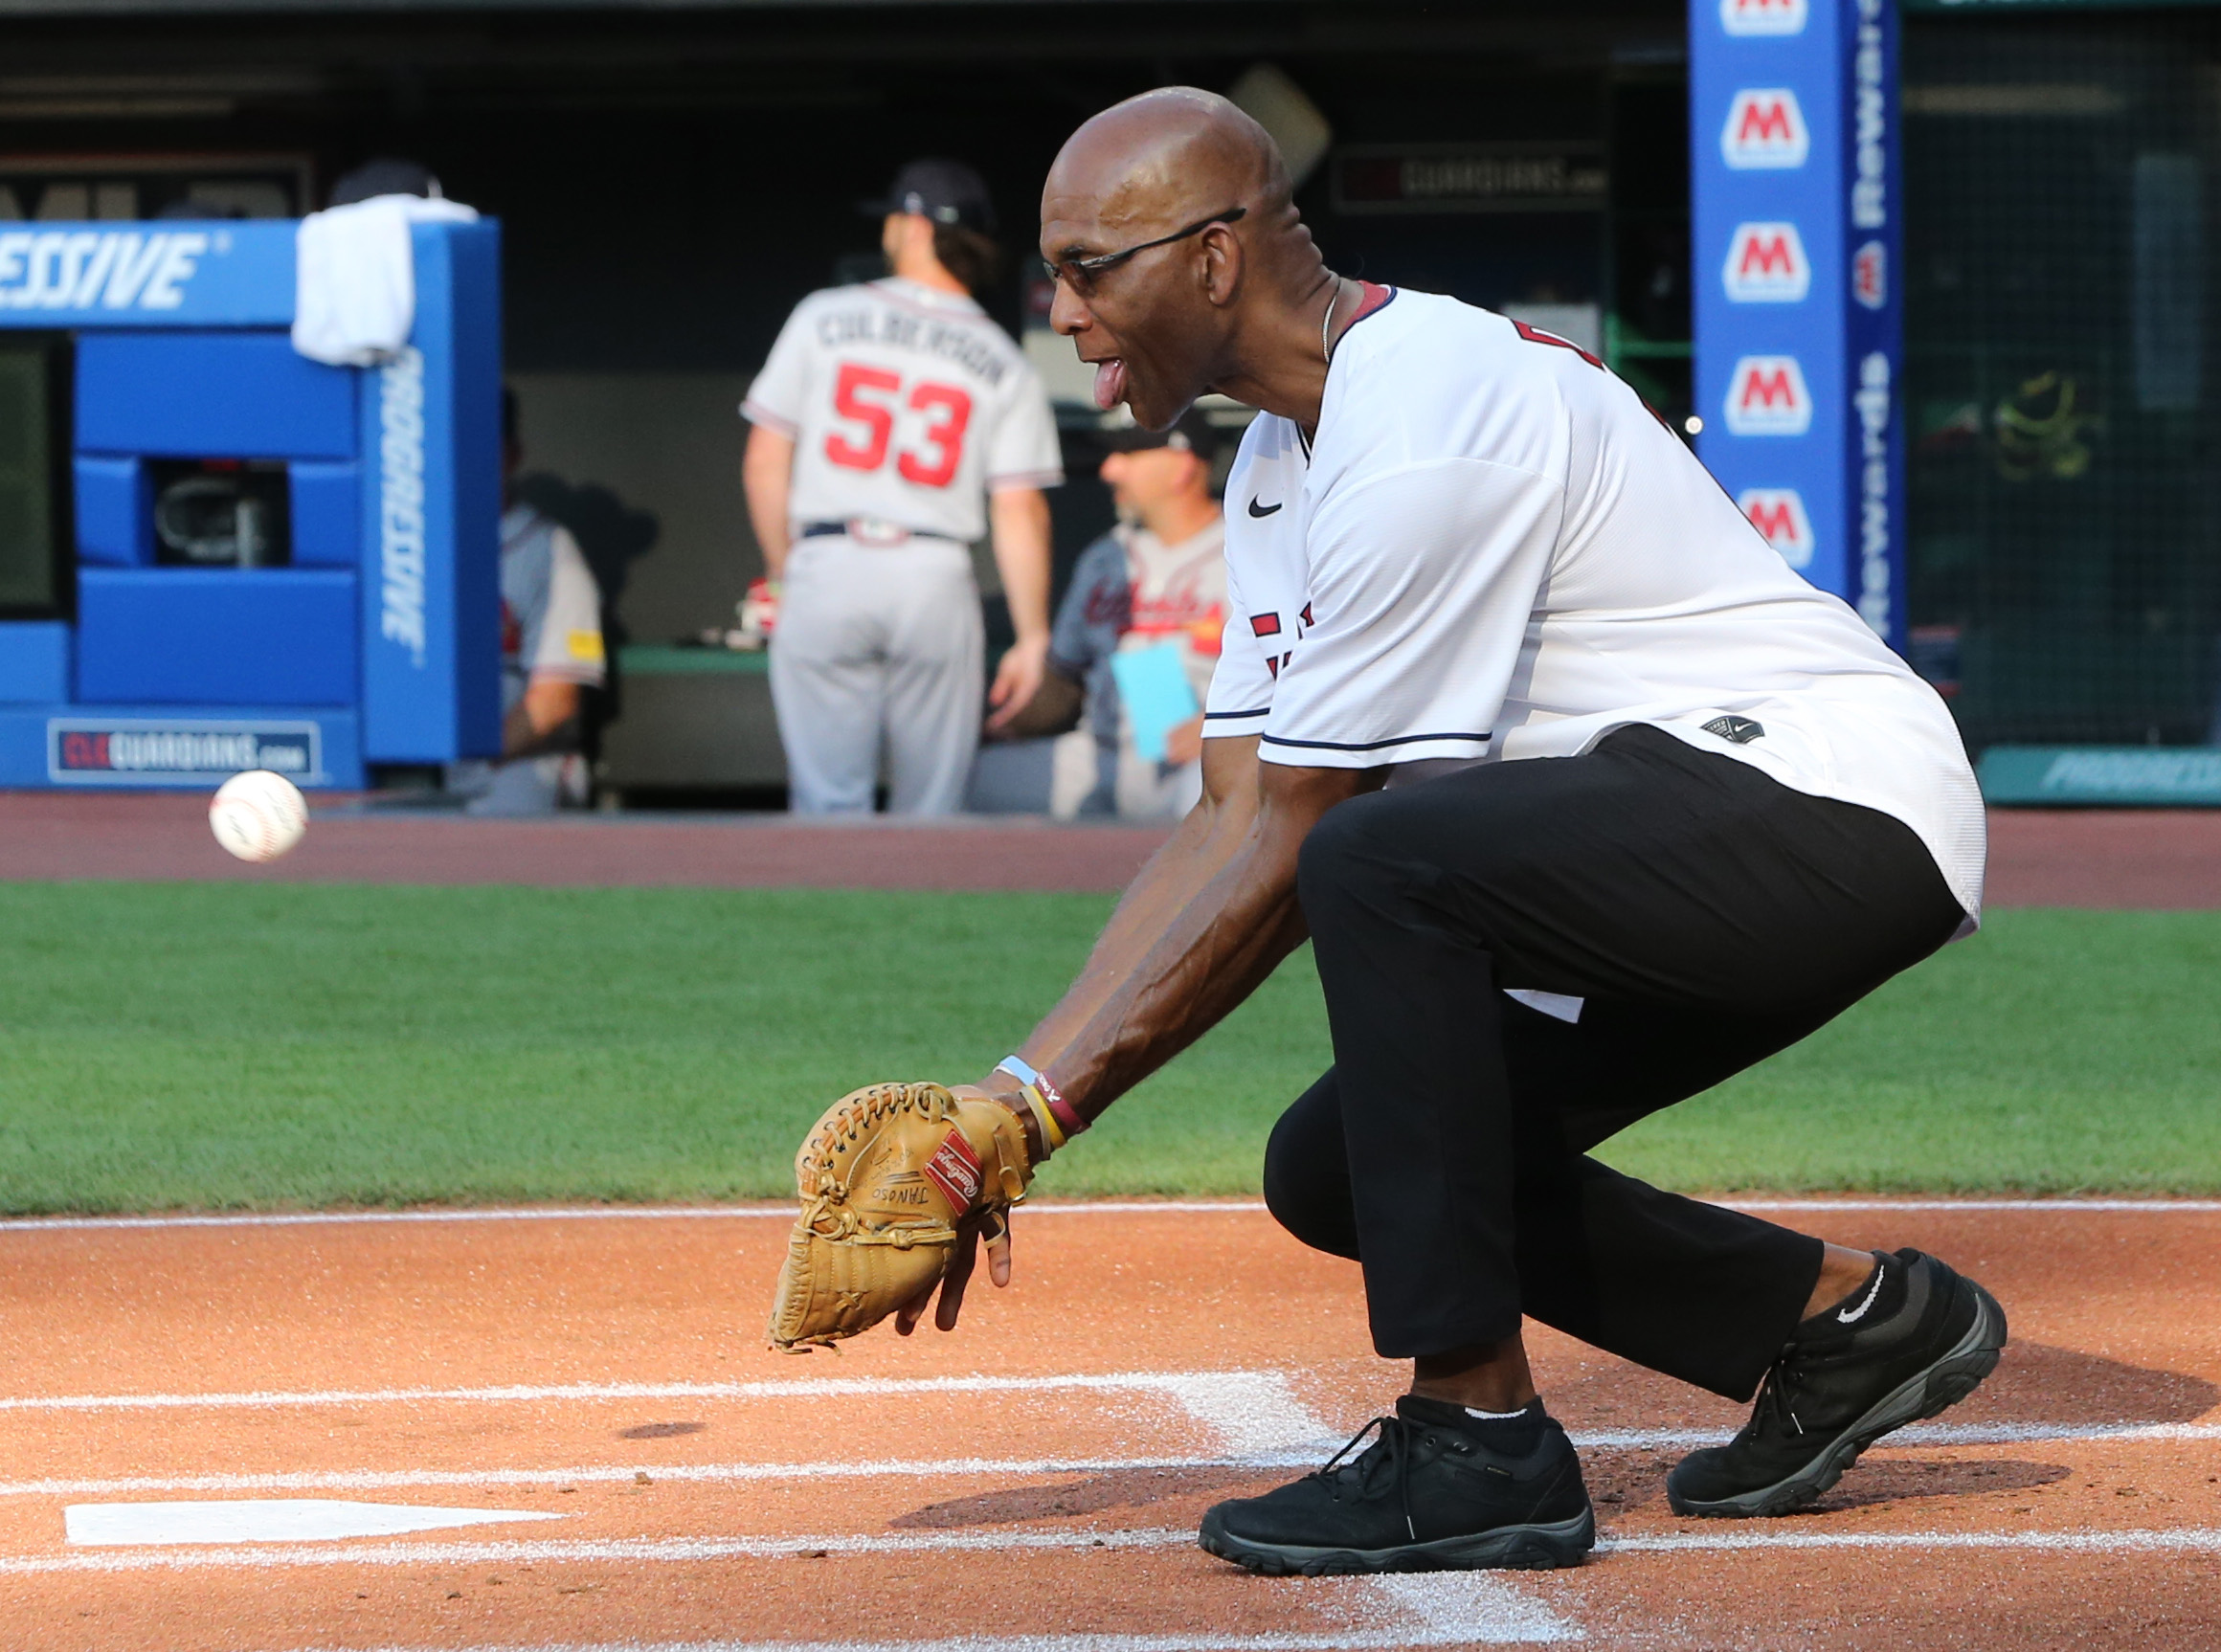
115	510
327	514
34	657
211	395
217	637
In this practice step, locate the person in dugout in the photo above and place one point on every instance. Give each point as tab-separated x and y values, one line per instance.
1155	582
551	654
894	424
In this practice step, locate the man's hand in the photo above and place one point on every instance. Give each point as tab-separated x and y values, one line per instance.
1019	519
962	1262
1017	681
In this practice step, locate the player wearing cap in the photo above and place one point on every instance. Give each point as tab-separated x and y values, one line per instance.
1585	801
893	424
1155	583
551	655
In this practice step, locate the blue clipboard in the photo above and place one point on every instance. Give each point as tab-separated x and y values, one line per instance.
1156	694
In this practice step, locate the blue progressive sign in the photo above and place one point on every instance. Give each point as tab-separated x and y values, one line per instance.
1798	215
180	273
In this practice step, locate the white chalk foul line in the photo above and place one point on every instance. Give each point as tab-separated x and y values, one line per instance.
605	1474
1253	1411
1920	1433
2202	1540
2177	1540
577	1213
1441	1609
1933	1435
556	1551
1074	1207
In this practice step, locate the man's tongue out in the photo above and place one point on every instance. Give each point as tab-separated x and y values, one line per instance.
1109	383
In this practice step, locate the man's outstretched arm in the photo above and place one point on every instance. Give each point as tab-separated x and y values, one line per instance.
1196	933
1203	925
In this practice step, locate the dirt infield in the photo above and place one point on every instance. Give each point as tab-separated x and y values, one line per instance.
1029	1483
2131	858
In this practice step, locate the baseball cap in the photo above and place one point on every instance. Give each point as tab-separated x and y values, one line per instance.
384	175
1190	432
946	191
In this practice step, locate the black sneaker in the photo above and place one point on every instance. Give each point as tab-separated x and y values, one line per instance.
1439	1490
1841	1384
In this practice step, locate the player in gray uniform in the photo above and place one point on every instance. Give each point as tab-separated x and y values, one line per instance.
551	652
1156	580
893	424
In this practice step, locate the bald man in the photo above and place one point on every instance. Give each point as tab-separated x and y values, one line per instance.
1585	801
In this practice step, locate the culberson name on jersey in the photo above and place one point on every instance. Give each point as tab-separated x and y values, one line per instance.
880	325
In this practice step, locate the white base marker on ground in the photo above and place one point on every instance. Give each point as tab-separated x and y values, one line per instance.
266	1520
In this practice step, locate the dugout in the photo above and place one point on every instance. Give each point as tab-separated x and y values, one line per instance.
671	178
217	554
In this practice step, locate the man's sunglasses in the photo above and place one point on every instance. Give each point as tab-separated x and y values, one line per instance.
1081	273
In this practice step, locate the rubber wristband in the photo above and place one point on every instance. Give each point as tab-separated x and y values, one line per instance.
1051	1135
1026	1073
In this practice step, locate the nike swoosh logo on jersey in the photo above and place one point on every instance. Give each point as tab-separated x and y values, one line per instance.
1849	1314
1267	510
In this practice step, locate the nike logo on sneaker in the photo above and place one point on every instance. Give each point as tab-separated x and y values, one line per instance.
1847	1314
1267	510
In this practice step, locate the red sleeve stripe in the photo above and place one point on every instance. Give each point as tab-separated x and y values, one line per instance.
1264	624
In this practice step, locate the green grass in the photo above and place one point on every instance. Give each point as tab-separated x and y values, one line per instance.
223	1046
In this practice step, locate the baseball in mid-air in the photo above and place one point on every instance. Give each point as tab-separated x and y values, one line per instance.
258	816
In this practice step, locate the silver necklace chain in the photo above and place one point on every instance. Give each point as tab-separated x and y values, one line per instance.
1327	323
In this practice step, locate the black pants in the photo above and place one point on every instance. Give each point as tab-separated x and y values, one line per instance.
1708	915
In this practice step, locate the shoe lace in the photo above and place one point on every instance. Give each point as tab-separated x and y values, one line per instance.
1393	1449
1777	1395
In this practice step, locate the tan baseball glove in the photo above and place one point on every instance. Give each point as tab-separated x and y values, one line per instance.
888	1177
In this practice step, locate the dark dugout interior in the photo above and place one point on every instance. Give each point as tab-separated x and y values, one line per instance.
672	179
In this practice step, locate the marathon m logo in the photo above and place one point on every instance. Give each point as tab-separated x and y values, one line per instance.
1766	397
1779	515
1870	275
1766	265
1765	131
401	502
1763	17
107	269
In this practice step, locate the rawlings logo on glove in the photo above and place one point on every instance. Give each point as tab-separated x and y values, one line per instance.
891	1178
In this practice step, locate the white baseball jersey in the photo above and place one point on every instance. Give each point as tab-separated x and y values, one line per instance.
907	406
1493	550
551	607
